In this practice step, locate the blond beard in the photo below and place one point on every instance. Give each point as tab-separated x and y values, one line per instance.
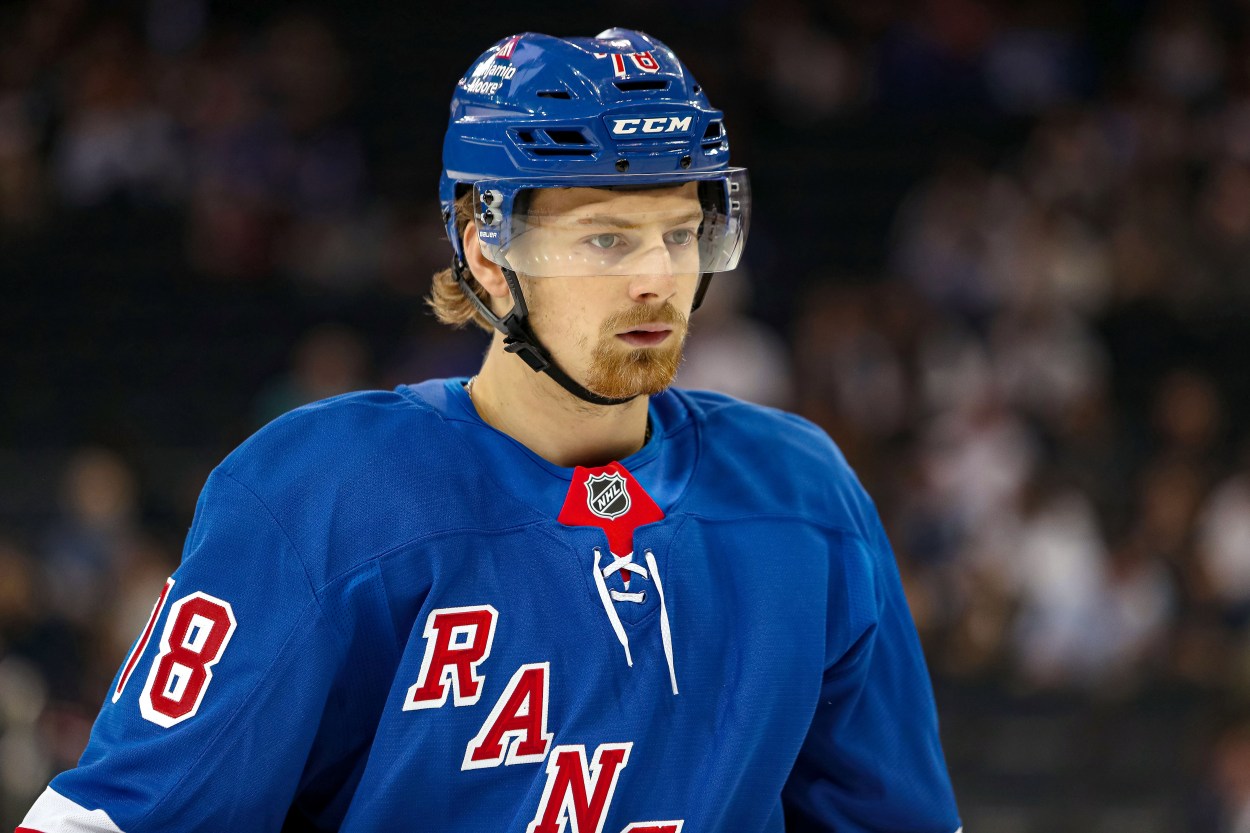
642	371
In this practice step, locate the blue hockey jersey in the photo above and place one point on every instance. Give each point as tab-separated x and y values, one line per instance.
388	618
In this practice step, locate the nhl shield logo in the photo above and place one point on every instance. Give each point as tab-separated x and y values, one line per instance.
607	496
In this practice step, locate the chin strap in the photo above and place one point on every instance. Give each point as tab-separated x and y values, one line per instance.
520	340
701	290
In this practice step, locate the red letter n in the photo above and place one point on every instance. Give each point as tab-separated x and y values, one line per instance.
457	641
576	795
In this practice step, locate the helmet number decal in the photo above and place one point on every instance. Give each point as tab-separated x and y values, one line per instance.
645	61
195	637
505	49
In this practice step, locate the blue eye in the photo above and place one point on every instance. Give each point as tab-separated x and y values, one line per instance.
603	241
681	237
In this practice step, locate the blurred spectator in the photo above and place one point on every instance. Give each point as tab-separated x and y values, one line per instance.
1046	360
944	231
1090	451
1227	805
1224	544
114	142
279	177
732	353
25	758
1036	62
1069	164
1180	52
19	604
21	168
432	351
329	360
810	73
980	458
87	545
173	26
24	762
929	66
1060	573
847	362
1139	608
1224	229
1189	417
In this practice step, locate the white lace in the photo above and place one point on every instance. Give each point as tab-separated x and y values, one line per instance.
611	609
666	632
625	562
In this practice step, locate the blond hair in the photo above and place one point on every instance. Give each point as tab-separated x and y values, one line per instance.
447	299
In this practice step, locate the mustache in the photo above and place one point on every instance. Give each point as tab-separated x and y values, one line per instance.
637	316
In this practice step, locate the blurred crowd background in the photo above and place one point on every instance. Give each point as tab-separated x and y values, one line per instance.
1000	251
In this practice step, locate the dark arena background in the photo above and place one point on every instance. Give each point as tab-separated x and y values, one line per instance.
1000	251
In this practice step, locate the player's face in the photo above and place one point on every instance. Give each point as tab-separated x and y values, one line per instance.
621	334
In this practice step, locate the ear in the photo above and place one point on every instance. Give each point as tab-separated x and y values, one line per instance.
488	274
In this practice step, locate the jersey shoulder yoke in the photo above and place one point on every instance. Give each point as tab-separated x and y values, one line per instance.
358	475
761	460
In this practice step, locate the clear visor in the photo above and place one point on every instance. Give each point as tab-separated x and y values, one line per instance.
626	226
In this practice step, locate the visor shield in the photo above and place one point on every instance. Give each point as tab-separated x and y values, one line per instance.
614	226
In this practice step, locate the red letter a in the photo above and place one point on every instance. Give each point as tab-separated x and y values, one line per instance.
520	713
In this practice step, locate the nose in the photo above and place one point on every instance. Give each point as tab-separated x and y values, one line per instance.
654	281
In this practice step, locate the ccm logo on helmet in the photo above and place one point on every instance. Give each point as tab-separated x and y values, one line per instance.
654	124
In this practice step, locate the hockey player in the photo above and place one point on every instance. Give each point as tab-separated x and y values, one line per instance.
556	596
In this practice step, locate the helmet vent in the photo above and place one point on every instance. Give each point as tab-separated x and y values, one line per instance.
542	142
564	151
642	85
566	137
714	136
563	94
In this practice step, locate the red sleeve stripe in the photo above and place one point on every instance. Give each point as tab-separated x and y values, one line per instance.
143	640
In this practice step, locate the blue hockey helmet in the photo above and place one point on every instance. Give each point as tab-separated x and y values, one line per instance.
618	110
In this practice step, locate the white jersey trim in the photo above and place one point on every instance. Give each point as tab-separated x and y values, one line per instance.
54	813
